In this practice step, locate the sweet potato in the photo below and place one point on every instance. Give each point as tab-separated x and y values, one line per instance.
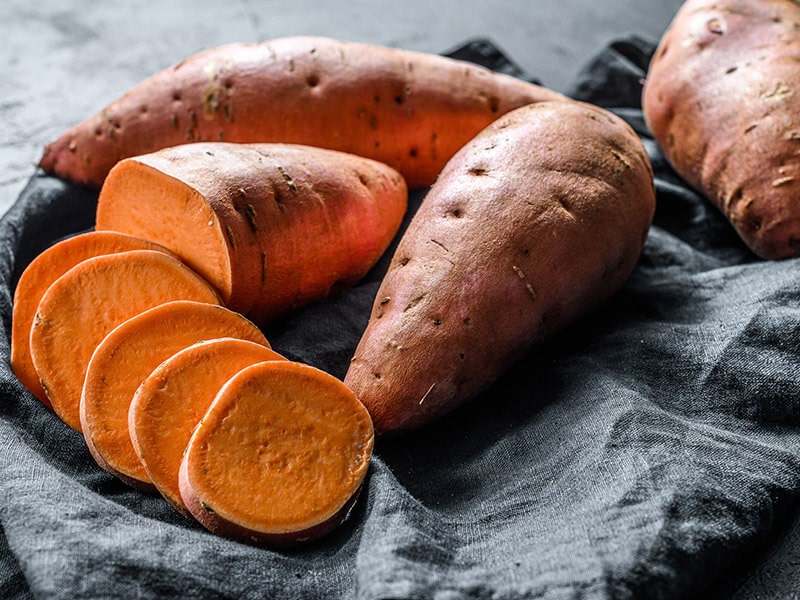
126	356
271	226
89	300
279	457
410	110
37	277
538	219
720	100
170	402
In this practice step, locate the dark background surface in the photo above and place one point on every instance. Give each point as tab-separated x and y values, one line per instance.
64	61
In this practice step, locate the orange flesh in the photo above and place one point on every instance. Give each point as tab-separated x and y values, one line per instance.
174	397
37	277
170	213
283	447
87	302
126	356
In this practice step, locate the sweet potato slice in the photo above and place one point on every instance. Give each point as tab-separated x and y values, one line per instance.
85	303
126	356
537	220
280	456
410	110
42	271
272	226
170	402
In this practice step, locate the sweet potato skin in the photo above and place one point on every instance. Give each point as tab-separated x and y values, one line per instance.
539	218
408	109
721	99
287	224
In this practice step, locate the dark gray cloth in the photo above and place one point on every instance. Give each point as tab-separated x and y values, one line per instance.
645	452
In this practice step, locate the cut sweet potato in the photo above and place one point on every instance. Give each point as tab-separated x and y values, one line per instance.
537	220
170	402
37	277
272	226
126	356
280	456
89	300
410	110
722	99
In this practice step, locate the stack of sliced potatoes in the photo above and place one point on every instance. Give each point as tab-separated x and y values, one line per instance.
176	394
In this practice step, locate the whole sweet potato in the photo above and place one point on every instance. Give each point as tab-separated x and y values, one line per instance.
539	218
410	110
722	98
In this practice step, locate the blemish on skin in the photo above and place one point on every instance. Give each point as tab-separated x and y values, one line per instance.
430	389
414	303
522	277
250	216
287	178
715	26
782	181
621	158
779	92
441	245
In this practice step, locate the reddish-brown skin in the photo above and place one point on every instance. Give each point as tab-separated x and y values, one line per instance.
271	226
538	219
408	109
722	98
